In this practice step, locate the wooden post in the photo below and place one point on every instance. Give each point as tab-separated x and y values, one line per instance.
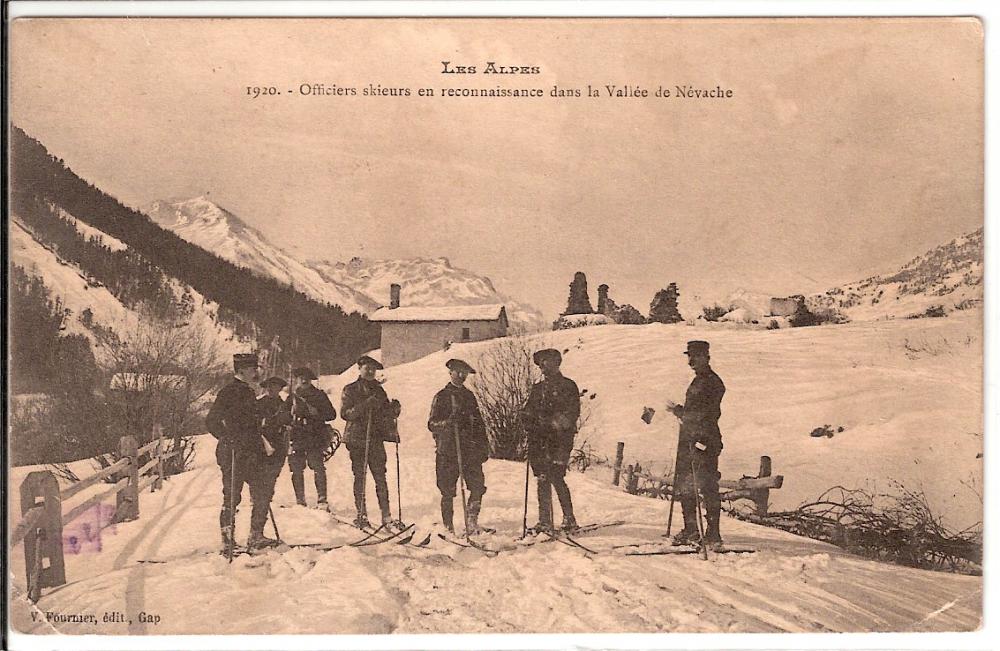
127	504
760	495
44	541
619	456
158	432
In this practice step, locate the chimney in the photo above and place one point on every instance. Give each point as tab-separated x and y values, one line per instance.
394	296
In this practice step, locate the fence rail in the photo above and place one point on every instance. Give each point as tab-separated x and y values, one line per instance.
42	518
756	489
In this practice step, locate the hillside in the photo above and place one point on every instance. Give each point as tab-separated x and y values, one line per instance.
950	276
141	263
907	392
358	285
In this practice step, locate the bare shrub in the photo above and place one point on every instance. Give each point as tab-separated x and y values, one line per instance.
160	374
899	527
715	312
505	374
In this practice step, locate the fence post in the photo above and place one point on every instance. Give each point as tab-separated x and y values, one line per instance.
44	540
158	432
760	495
127	502
619	456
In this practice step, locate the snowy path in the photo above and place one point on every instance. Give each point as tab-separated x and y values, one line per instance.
791	584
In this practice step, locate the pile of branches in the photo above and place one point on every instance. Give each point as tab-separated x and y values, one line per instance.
586	456
899	528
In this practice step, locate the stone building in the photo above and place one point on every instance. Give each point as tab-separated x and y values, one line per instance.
412	332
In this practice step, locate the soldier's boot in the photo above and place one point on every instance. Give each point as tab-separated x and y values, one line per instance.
320	479
713	538
299	486
472	517
257	540
448	513
569	524
544	506
228	541
689	534
382	494
361	522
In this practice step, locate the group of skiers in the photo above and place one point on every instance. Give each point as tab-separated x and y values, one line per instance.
256	434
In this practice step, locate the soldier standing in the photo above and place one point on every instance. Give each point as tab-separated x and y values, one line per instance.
275	420
698	447
550	420
240	453
370	418
460	443
311	409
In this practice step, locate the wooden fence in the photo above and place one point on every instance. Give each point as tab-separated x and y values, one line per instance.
639	481
43	515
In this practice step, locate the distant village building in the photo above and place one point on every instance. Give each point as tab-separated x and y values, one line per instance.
786	306
412	332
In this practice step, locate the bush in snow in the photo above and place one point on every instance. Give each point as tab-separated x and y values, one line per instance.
773	324
715	312
503	380
628	315
579	321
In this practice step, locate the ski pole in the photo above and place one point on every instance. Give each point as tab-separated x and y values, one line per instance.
364	468
697	506
524	522
673	498
399	491
277	536
231	543
461	471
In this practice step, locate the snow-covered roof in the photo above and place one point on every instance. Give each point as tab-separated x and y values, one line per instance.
443	313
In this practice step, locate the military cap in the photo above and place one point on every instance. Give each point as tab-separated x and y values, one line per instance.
365	360
697	347
305	373
459	365
547	353
243	360
274	381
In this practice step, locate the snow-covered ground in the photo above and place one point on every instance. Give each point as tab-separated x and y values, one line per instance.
908	394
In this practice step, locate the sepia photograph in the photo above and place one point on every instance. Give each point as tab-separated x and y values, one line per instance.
386	326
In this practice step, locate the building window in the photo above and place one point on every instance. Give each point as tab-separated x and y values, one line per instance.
466	334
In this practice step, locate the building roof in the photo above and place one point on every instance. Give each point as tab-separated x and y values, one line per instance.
445	313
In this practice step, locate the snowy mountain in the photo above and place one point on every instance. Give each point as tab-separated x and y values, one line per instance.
89	303
425	282
949	276
215	229
359	285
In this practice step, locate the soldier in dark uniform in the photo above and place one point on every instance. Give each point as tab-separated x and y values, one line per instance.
455	413
233	420
371	419
275	419
550	420
699	444
310	409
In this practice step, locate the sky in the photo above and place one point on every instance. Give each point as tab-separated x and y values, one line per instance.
848	146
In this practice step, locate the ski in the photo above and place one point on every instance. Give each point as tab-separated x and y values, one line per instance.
688	549
470	544
588	528
375	540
